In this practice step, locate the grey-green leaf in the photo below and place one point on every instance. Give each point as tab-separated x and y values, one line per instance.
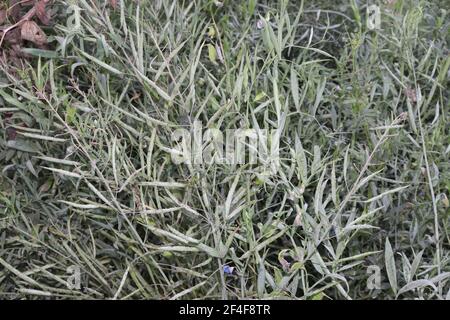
390	266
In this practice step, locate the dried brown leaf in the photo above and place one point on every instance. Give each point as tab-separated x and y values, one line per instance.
2	16
14	10
25	3
13	37
32	32
42	11
11	133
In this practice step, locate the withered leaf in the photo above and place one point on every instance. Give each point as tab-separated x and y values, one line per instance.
14	10
41	11
11	133
27	2
13	37
2	16
30	31
14	55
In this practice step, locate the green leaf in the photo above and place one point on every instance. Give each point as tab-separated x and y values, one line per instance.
41	53
23	145
261	282
70	114
11	100
259	96
101	63
294	88
212	53
390	266
415	285
317	296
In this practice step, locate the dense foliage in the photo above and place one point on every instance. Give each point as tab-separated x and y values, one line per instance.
88	182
